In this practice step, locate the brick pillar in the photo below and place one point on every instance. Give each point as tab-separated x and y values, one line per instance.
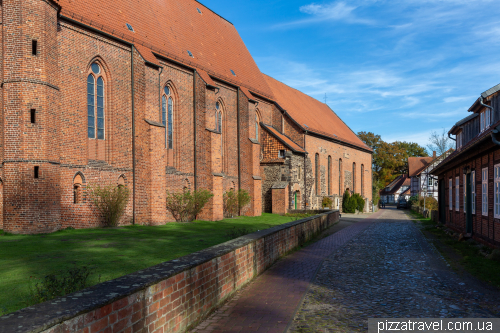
280	198
32	198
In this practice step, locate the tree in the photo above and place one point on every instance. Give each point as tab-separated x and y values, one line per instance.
370	139
389	159
440	143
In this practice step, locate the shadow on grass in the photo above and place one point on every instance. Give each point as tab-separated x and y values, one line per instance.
113	252
463	255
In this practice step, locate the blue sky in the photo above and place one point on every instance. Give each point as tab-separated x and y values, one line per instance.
399	68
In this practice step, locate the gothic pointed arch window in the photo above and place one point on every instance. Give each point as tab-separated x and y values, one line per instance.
218	117
257	122
329	175
353	177
316	175
167	117
362	179
95	102
341	189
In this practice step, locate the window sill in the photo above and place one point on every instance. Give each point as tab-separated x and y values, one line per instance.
254	141
213	131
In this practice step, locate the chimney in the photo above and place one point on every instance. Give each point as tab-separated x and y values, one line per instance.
434	154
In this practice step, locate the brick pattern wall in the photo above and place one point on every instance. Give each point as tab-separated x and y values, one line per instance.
180	300
486	229
349	156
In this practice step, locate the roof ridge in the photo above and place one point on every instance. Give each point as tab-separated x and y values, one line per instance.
222	17
319	131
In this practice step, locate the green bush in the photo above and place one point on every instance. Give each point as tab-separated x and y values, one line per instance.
413	201
186	205
52	285
327	202
348	203
110	202
430	203
234	202
360	202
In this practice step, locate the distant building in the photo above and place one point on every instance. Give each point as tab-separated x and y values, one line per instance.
396	189
469	178
423	183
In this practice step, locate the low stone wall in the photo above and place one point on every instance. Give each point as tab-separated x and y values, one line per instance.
172	296
310	211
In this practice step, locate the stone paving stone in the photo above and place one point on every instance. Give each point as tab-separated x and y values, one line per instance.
276	294
389	271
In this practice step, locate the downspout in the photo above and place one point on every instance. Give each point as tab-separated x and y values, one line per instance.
195	134
159	92
133	135
449	136
305	172
497	129
238	138
493	133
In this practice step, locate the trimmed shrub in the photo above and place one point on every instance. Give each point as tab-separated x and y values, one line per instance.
413	201
110	202
234	202
360	202
327	202
186	205
348	204
430	203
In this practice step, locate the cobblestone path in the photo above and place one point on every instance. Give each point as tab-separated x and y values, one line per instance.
269	302
388	271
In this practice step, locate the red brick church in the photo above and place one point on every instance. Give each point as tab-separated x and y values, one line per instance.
154	95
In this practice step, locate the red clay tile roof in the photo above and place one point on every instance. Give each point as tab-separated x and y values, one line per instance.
417	164
204	75
284	139
147	54
317	116
170	29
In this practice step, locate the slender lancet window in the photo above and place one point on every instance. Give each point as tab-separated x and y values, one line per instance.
317	175
329	175
457	195
256	127
362	180
95	99
167	117
341	190
91	106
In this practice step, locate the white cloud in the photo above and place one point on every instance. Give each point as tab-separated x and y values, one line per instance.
458	99
335	11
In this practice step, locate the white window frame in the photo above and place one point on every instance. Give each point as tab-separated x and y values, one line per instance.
459	140
450	194
457	194
485	119
484	192
496	194
430	181
465	193
473	191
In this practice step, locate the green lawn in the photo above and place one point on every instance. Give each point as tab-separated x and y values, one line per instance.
113	252
464	254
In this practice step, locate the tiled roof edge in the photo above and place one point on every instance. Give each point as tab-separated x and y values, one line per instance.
78	19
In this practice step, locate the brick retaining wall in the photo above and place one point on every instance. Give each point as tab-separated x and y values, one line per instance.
172	296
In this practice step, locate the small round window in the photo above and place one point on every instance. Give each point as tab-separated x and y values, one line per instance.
167	91
96	69
217	105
